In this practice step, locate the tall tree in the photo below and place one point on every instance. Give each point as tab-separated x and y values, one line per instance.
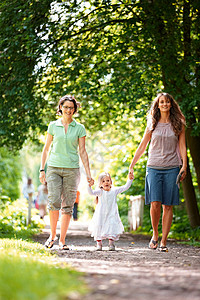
112	54
119	52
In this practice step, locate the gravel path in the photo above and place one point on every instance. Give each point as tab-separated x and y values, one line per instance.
133	271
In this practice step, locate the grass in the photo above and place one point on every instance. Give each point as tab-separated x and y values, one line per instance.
28	271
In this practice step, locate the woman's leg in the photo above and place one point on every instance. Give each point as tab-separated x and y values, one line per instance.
54	185
166	222
53	216
65	219
155	212
71	179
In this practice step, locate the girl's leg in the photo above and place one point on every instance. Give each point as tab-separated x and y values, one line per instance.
111	244
65	219
166	223
99	245
155	212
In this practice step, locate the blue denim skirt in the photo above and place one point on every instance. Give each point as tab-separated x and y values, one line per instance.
160	185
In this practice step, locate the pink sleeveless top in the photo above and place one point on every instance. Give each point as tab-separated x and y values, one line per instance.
163	150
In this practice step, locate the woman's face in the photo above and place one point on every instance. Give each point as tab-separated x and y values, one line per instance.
164	104
106	183
67	108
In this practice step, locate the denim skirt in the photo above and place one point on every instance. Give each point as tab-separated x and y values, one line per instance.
160	185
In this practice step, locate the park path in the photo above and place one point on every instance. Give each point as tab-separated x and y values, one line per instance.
133	271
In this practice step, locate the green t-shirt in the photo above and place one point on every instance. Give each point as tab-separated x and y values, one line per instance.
64	151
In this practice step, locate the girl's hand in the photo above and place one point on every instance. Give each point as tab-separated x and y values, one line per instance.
130	174
90	181
42	177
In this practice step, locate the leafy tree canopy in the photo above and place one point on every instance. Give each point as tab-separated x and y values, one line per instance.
113	55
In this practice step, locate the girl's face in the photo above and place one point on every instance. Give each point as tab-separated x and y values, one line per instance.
164	104
68	108
106	183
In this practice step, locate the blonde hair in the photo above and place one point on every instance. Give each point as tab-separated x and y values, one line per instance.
176	117
101	176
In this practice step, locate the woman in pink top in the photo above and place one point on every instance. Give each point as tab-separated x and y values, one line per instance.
167	159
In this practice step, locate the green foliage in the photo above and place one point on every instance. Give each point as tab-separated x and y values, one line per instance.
22	31
111	55
13	217
10	174
28	271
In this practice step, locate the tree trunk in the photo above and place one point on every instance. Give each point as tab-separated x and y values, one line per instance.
193	143
190	200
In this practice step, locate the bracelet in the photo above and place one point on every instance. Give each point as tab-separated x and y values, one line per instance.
42	170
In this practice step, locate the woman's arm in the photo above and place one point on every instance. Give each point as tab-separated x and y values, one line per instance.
183	153
141	149
85	160
45	152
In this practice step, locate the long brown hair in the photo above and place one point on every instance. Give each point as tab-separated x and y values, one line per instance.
176	116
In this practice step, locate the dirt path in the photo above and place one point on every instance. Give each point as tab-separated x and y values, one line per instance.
133	271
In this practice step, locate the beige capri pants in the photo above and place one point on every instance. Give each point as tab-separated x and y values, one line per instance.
62	184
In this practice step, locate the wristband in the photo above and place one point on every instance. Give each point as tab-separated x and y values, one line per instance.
42	170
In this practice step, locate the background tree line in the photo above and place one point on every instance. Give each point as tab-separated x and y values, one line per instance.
113	55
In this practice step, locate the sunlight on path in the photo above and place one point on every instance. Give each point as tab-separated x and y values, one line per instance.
133	271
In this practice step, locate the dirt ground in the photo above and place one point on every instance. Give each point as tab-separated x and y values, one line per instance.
133	271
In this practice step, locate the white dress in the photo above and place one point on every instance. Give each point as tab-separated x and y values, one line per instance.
106	223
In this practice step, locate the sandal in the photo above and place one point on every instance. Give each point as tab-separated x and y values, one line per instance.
49	242
155	243
63	246
163	249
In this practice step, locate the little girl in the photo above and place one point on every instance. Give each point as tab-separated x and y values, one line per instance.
106	223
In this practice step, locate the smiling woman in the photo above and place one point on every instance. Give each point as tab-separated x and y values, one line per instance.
63	175
166	131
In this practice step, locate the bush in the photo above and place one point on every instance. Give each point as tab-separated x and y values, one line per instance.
10	174
13	217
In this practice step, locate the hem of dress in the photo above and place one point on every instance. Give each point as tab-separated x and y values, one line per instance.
107	236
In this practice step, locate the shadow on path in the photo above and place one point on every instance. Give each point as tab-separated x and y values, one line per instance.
133	271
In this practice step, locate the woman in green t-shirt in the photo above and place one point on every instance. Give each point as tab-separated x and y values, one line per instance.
63	174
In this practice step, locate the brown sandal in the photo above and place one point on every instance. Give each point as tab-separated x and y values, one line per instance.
49	243
163	249
155	243
63	246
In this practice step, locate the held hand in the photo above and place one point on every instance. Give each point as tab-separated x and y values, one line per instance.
42	177
90	181
130	174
